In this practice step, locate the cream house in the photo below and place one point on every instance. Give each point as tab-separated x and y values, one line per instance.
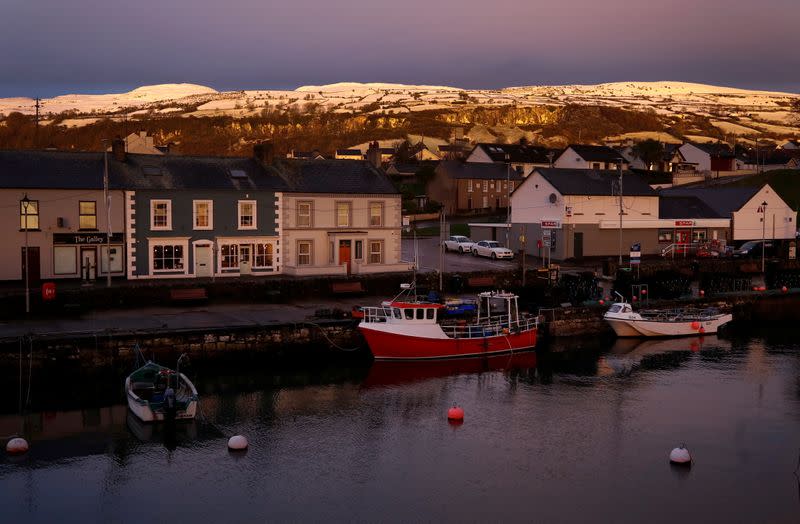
339	218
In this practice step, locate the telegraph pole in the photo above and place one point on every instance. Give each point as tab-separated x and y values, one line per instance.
37	105
619	170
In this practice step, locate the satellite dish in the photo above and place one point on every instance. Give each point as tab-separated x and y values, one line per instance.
553	198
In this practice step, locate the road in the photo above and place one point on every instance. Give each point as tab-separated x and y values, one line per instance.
428	253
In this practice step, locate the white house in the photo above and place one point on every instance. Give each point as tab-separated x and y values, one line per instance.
578	156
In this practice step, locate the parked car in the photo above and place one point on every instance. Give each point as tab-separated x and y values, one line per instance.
492	249
752	249
458	243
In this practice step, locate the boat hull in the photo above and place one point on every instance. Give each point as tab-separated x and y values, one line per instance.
395	346
655	328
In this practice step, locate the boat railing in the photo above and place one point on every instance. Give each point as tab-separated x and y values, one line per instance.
494	327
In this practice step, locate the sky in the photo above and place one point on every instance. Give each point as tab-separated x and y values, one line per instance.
53	47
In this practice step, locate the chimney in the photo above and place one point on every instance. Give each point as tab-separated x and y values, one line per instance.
118	149
264	152
374	154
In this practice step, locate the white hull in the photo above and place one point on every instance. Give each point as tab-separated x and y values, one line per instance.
655	328
141	408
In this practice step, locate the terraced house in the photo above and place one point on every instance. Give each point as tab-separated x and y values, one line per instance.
199	216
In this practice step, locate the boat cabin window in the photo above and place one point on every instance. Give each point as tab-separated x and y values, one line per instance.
420	314
397	313
626	309
409	314
615	308
430	314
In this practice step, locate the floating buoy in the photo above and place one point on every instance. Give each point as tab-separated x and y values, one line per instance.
755	288
702	293
785	289
17	446
680	456
644	292
455	413
634	299
237	443
695	325
601	301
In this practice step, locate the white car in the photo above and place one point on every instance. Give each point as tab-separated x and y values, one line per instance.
492	249
458	243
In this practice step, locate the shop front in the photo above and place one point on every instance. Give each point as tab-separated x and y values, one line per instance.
87	255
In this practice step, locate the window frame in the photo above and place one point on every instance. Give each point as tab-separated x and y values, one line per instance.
665	236
358	250
469	185
239	215
182	244
268	252
298	214
153	204
81	215
26	220
380	206
380	253
210	225
309	254
349	204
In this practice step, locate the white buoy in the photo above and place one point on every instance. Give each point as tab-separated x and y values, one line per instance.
680	456
237	443
17	446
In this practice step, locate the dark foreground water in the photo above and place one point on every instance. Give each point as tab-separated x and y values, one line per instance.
581	436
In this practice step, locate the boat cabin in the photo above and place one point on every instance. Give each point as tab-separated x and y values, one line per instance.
620	308
412	312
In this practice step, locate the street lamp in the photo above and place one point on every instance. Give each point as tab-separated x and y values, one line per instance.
763	211
25	203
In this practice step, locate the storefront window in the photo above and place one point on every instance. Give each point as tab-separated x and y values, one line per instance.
665	236
230	256
699	235
263	255
168	258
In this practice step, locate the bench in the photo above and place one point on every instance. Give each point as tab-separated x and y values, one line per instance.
188	294
339	288
480	281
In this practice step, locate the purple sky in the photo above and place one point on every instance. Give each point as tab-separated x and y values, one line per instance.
52	47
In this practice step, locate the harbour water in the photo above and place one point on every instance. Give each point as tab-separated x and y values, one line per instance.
565	435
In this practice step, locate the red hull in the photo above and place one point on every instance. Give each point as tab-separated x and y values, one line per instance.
393	346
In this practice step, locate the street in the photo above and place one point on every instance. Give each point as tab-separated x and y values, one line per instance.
428	256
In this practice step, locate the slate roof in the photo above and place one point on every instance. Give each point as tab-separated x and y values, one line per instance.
477	170
594	182
335	176
349	152
685	207
723	200
51	170
597	153
518	153
715	149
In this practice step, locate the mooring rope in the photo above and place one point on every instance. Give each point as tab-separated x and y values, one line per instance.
331	342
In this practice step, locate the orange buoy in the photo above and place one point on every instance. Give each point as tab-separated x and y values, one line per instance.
702	329
634	299
644	292
695	325
17	446
455	413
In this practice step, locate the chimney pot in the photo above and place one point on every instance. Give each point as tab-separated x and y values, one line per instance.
118	149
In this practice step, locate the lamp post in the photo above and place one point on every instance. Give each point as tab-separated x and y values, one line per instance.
108	215
763	210
25	203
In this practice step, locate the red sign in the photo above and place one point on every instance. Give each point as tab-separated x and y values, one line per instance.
550	224
49	291
683	223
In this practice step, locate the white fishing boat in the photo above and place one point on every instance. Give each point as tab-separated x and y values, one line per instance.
156	393
664	322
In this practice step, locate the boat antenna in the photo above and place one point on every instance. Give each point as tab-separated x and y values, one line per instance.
619	295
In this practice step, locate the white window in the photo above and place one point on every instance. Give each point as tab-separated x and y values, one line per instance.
304	211
87	214
485	201
65	260
161	215
343	212
247	214
304	252
203	214
485	186
376	214
229	253
263	257
469	185
359	250
376	251
511	188
168	257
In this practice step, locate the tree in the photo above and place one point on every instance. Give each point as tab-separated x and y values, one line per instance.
649	151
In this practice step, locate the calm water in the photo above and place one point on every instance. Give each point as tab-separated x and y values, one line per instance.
555	437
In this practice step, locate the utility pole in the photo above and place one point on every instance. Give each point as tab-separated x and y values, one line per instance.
107	192
619	170
37	105
524	241
442	223
763	210
508	196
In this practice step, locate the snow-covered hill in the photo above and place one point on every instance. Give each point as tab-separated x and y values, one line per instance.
732	110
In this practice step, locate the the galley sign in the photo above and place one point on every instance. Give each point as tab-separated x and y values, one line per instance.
85	238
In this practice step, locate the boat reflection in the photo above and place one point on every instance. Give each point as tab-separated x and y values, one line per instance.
627	353
385	373
170	433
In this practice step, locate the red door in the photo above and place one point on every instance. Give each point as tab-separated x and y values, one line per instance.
682	238
344	253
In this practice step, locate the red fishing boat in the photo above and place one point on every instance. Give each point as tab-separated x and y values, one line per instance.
411	329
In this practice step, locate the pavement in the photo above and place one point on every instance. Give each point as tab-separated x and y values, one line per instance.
176	318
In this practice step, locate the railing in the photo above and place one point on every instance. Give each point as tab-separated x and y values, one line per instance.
494	326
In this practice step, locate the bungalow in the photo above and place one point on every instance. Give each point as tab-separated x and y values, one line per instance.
578	156
522	157
54	202
468	186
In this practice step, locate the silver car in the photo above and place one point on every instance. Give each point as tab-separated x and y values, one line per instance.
458	243
491	249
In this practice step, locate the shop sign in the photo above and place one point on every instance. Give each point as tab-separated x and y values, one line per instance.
684	223
551	224
85	239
